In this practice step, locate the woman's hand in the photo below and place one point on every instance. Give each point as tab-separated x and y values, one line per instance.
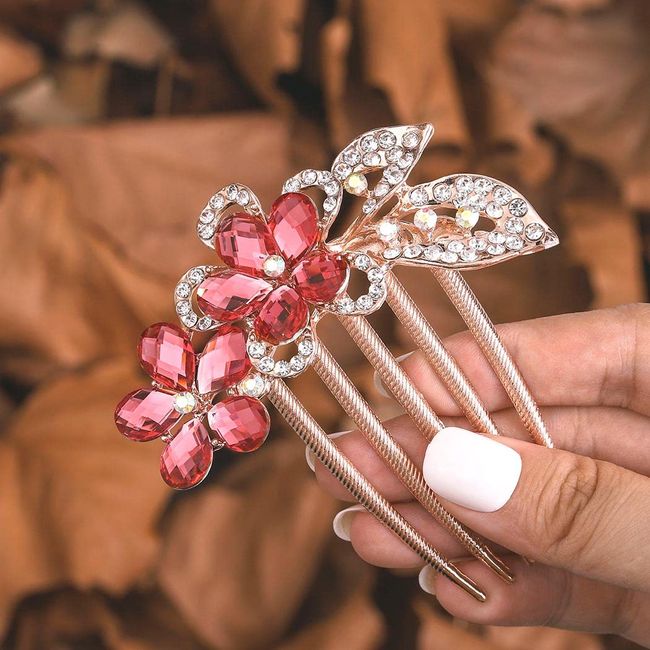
581	511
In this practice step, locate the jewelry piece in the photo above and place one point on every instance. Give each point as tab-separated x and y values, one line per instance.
280	275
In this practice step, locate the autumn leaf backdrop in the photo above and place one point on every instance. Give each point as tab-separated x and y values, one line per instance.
117	120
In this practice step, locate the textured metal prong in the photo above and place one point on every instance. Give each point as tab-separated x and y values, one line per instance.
394	456
437	355
392	375
479	323
340	466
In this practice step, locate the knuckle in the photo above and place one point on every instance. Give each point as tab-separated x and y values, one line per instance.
563	508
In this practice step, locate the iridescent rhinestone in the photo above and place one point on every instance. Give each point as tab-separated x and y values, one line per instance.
412	251
183	290
345	305
364	303
392	253
352	157
282	368
256	350
274	266
362	262
496	249
206	230
468	255
217	202
243	197
411	139
292	185
231	192
455	246
514	243
433	253
387	139
309	177
393	174
297	363
369	205
518	207
306	347
184	402
207	216
501	194
356	184
425	219
342	170
494	210
464	184
496	237
381	189
442	192
515	226
369	143
253	386
387	229
329	204
448	257
196	275
372	159
331	187
467	217
266	364
534	231
418	196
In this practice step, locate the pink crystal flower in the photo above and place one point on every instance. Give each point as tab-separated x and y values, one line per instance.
186	384
277	268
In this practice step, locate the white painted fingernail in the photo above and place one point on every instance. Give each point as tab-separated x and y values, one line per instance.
376	379
471	470
426	580
310	457
343	521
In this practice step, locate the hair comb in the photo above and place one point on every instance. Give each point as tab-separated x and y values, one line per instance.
278	274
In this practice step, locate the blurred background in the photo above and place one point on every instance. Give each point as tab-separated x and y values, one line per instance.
118	120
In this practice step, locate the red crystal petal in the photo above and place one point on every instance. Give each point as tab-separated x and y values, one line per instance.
145	414
294	224
320	276
187	458
242	422
230	296
166	355
282	316
244	242
224	360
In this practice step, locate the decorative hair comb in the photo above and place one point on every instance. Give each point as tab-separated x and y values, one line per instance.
279	275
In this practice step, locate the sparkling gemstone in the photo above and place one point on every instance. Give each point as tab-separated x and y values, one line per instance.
309	177
331	187
230	295
515	226
282	368
345	305
412	251
376	275
494	210
352	157
166	355
253	386
393	174
483	185
449	257
294	224
205	323
464	184
206	230
387	229
242	422
418	196
217	202
467	218
224	361
392	253
183	308
501	194
190	319
244	242
184	402
342	170
369	143
514	243
321	276
406	160
468	255
282	316
369	206
266	364
394	154
196	275
496	249
207	216
496	237
411	139
376	290
274	266
183	290
387	139
186	460
364	303
362	262
356	184
243	197
306	347
534	231
329	204
297	363
432	253
518	207
292	185
145	414
477	244
442	192
231	192
425	219
372	159
455	246
256	349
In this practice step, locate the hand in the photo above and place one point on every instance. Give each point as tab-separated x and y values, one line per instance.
581	511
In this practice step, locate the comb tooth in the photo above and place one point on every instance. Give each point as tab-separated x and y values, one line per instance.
436	354
394	456
340	466
482	328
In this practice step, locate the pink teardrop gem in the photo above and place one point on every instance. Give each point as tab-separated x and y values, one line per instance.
282	316
224	360
230	296
320	276
294	223
242	422
166	355
244	242
145	414
187	458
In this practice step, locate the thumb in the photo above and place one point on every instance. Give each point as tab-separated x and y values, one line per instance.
588	516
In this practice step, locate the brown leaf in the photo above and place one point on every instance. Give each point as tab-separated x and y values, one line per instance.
79	501
239	558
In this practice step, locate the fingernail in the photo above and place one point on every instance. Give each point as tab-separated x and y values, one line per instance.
310	457
343	521
376	379
426	580
471	470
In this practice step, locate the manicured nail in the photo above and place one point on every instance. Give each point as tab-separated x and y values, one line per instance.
310	457
343	521
471	470
426	580
376	379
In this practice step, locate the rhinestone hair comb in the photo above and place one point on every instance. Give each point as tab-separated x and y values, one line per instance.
280	274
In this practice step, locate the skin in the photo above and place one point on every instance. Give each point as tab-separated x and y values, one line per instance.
581	511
